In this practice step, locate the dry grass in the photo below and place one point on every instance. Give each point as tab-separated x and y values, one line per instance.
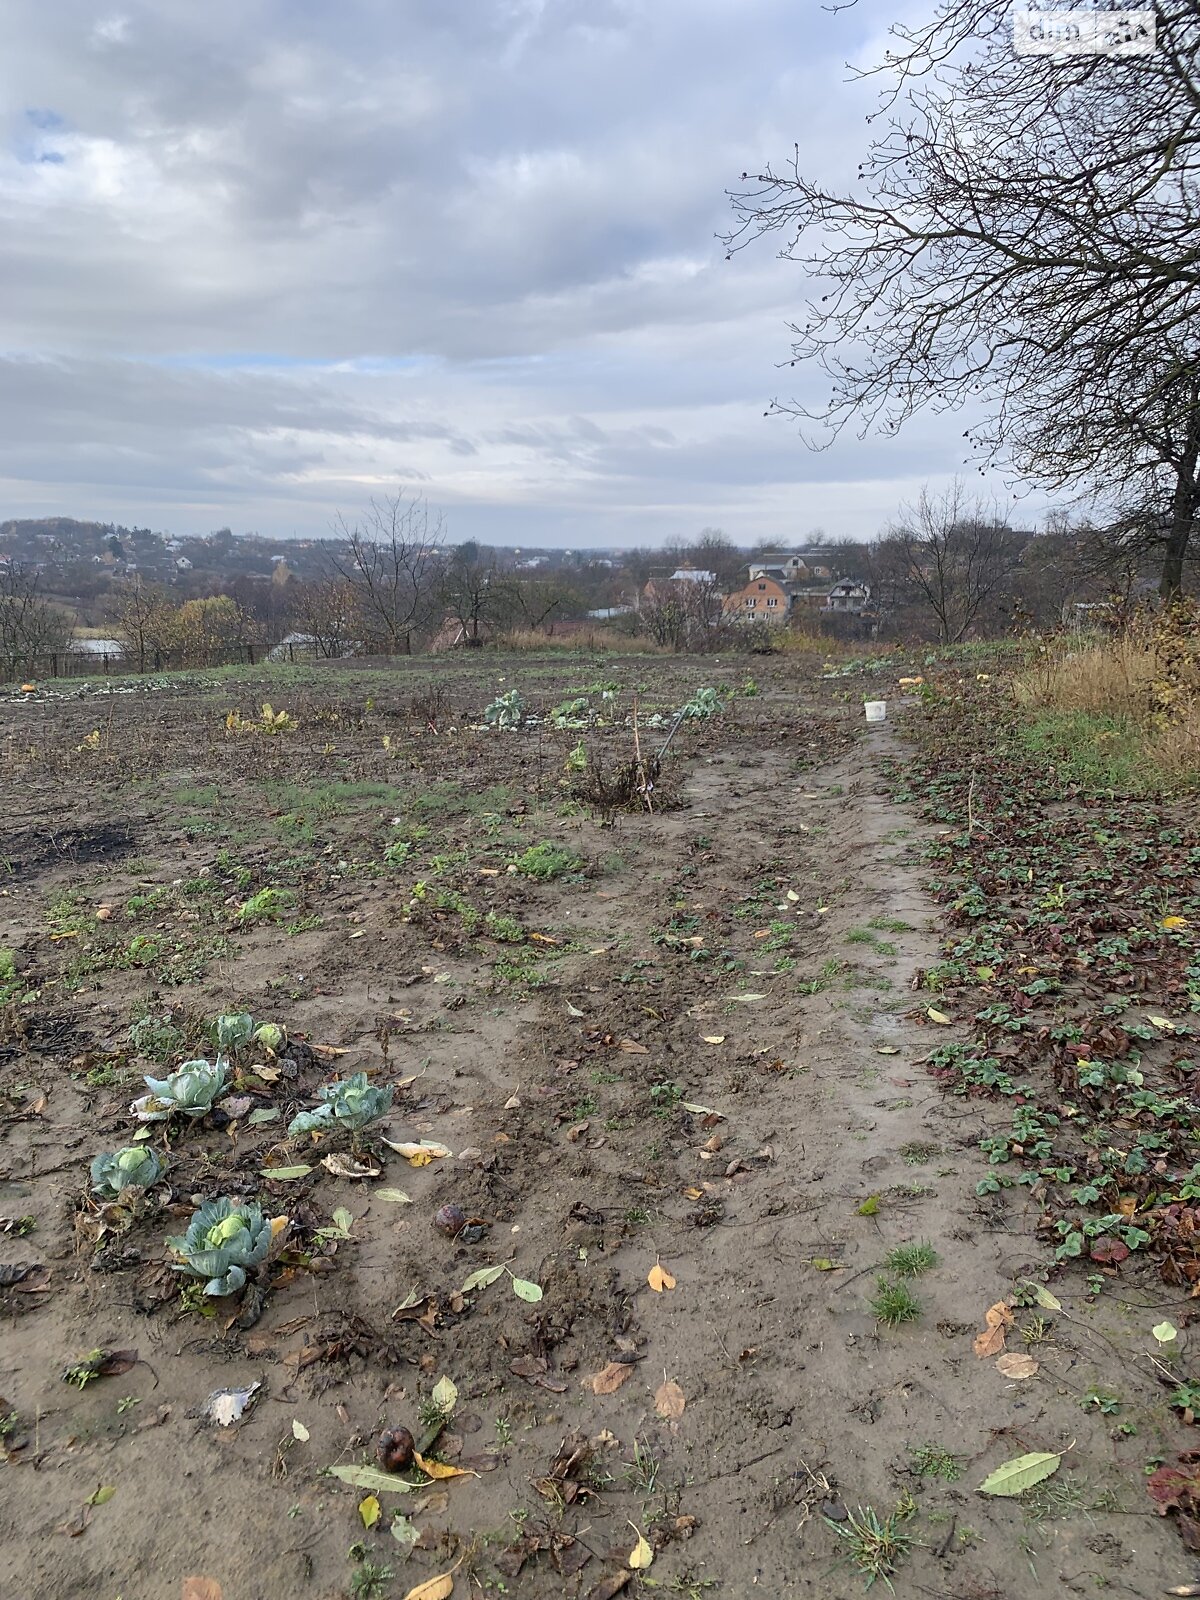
525	639
1174	749
1130	696
811	641
1112	677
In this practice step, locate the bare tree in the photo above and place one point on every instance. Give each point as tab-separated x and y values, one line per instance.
952	554
1022	237
683	613
530	602
469	593
144	620
29	626
329	611
393	559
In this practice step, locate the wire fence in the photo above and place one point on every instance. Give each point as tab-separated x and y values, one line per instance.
103	663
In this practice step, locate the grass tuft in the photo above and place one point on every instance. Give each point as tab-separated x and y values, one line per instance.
909	1260
873	1544
894	1304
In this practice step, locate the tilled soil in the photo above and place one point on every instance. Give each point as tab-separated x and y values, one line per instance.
720	1076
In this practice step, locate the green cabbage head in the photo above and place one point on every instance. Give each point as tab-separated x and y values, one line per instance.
222	1240
271	1036
192	1091
348	1103
232	1030
134	1167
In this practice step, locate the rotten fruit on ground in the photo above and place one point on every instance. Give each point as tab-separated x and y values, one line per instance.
450	1220
394	1449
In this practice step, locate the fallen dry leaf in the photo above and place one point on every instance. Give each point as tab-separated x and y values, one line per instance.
610	1378
669	1399
343	1166
713	1038
641	1556
613	1584
659	1278
632	1048
441	1469
433	1588
201	1589
1015	1365
991	1341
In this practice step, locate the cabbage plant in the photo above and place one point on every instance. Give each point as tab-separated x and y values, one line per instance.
190	1092
271	1036
232	1030
222	1240
704	703
347	1103
133	1167
505	711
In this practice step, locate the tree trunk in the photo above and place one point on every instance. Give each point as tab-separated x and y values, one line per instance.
1183	512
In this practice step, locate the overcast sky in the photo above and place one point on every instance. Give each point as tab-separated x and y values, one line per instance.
260	259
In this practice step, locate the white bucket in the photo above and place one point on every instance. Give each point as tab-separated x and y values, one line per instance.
876	710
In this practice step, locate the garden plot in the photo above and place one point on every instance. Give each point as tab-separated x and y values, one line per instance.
429	1161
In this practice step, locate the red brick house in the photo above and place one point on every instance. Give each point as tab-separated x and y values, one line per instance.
762	600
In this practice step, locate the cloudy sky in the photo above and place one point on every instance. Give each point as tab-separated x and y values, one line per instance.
260	259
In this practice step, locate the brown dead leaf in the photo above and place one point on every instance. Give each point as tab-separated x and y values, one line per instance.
1016	1365
669	1399
201	1589
78	1523
536	1369
659	1278
610	1378
991	1341
632	1048
610	1586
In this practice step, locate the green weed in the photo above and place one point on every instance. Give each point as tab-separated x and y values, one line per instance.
894	1304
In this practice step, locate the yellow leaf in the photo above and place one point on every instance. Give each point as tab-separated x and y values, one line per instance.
669	1399
441	1469
713	1038
370	1511
299	1431
692	1193
1173	922
445	1394
641	1556
1162	1022
659	1278
419	1155
433	1588
792	896
935	1015
278	1224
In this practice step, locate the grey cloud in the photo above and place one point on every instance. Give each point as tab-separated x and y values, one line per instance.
522	194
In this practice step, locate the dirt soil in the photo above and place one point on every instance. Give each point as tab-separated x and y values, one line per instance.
695	1049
